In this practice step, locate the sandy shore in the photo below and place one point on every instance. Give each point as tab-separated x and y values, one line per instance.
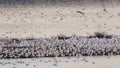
84	62
39	21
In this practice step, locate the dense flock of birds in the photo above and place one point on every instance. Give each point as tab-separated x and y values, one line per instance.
61	46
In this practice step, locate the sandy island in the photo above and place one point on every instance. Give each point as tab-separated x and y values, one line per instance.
42	21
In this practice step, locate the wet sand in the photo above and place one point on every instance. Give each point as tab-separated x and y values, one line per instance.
84	62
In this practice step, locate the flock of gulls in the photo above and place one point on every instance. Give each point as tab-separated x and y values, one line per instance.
53	47
60	46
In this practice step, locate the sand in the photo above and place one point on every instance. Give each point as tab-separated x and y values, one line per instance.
45	20
83	62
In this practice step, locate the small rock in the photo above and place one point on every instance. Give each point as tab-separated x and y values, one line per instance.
55	64
21	62
80	12
27	64
34	65
14	67
93	62
84	59
66	61
14	64
7	63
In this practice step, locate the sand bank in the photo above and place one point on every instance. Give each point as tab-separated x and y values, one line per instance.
45	20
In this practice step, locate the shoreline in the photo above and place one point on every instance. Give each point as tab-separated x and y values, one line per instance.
84	62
